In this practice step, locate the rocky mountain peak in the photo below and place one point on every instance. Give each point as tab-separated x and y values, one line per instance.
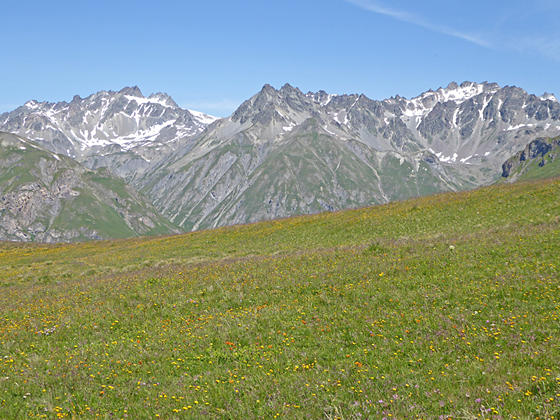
163	98
131	91
268	92
31	105
288	89
459	93
271	104
267	89
95	129
549	97
452	85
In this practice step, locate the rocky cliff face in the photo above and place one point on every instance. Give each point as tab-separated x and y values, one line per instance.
48	197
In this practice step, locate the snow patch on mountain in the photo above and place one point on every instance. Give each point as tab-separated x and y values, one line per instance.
203	118
518	126
125	118
549	97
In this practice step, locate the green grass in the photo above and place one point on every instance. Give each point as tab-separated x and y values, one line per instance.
550	169
531	169
21	167
88	210
446	305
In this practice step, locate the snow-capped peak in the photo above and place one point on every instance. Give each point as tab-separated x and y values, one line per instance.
132	91
549	97
424	103
32	104
203	118
461	93
150	100
125	118
163	99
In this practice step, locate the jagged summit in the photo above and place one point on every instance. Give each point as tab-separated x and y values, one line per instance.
98	129
163	98
454	92
452	85
287	88
270	91
132	91
268	88
549	97
349	115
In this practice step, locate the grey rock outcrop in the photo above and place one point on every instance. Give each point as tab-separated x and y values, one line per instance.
540	150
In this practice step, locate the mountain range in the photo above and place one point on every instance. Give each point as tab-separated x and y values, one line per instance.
122	131
282	152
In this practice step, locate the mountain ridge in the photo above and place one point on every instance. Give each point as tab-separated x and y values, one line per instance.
444	140
283	152
121	130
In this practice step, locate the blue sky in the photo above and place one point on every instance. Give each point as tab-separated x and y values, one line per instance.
211	55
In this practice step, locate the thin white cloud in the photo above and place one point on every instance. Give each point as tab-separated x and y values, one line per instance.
545	46
404	16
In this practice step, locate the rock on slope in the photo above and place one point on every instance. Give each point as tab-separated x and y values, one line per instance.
48	197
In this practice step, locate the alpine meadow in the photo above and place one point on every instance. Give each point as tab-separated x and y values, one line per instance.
441	306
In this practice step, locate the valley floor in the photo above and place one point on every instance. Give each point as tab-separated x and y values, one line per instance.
438	307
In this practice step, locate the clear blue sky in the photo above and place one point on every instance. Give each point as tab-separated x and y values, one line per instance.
211	55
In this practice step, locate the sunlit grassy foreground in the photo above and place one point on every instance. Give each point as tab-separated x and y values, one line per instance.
441	306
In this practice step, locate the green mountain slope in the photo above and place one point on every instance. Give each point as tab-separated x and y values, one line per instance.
239	180
539	160
48	197
440	307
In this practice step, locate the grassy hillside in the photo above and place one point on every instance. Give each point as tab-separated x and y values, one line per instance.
548	166
47	197
440	306
539	160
